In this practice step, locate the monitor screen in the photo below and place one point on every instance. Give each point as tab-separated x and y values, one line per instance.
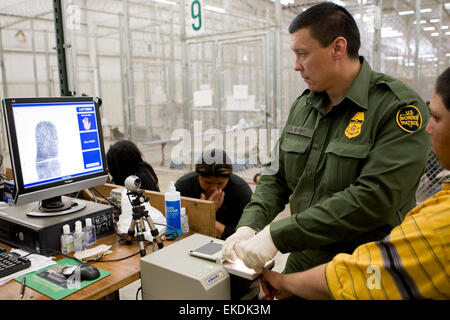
56	146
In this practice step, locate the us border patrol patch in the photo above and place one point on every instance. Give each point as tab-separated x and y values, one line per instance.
409	118
354	127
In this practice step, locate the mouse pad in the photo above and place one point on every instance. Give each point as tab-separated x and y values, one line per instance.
52	283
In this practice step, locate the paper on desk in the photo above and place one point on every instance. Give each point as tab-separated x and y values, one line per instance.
37	262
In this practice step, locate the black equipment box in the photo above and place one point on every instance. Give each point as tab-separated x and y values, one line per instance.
41	233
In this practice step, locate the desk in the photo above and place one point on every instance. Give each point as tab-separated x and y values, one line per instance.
122	272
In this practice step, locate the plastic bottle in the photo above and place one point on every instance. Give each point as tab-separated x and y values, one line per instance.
89	232
184	220
172	199
66	240
79	240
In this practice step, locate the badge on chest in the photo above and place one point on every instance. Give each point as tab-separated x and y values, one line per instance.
354	127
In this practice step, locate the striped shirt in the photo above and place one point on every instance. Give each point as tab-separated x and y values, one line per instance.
412	262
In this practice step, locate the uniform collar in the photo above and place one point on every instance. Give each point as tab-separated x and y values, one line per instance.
358	92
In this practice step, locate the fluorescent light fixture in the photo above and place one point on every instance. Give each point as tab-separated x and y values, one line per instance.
394	58
447	33
427	55
444	27
215	9
435	34
421	22
425	10
429	29
390	33
447	6
166	2
434	20
338	2
404	13
447	54
286	2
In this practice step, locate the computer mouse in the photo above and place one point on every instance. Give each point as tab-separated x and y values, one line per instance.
88	272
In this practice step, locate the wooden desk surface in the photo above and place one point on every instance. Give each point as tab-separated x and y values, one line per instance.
123	272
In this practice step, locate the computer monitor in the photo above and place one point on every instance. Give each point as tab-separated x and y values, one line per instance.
56	147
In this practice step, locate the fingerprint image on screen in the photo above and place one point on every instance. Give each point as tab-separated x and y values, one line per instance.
47	163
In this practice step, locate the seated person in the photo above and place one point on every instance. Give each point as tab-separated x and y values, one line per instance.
124	159
213	180
410	263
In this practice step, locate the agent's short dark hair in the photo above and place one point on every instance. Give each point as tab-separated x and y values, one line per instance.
327	21
214	163
442	87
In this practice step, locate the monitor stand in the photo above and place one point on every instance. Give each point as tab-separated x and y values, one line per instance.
67	206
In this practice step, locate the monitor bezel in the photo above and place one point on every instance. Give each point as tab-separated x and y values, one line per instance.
24	195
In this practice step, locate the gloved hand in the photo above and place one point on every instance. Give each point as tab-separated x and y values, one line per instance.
242	233
256	251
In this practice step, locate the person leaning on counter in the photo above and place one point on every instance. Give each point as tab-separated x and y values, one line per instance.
412	262
349	159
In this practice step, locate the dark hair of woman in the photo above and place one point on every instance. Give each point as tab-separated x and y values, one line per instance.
125	159
214	163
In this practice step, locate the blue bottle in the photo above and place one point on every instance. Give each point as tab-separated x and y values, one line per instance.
173	208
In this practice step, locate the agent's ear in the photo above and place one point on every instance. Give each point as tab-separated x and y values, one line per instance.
339	47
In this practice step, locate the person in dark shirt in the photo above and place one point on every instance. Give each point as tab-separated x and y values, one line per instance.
213	180
125	159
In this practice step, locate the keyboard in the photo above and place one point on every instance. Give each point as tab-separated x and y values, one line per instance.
11	263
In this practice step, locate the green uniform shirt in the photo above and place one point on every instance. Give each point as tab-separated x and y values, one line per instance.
350	175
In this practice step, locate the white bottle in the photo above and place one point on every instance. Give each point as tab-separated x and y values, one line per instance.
184	220
79	240
89	232
66	240
173	204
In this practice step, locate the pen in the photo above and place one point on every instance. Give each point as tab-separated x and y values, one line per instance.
22	287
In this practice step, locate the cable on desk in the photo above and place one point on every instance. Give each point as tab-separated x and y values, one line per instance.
137	293
109	201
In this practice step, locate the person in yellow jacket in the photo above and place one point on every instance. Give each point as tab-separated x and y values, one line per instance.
412	262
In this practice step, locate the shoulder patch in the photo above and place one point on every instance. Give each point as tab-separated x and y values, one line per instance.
409	118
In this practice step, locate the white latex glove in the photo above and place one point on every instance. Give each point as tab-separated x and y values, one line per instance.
242	233
256	251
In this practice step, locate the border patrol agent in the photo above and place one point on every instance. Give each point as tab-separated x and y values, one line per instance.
348	164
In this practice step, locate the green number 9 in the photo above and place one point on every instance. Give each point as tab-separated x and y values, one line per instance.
196	13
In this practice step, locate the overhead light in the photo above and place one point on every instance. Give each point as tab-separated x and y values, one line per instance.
425	10
338	2
166	2
285	2
388	33
394	58
215	9
447	6
447	33
435	34
444	27
434	20
447	54
428	29
404	13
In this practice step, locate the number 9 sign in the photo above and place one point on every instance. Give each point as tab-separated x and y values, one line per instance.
196	15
